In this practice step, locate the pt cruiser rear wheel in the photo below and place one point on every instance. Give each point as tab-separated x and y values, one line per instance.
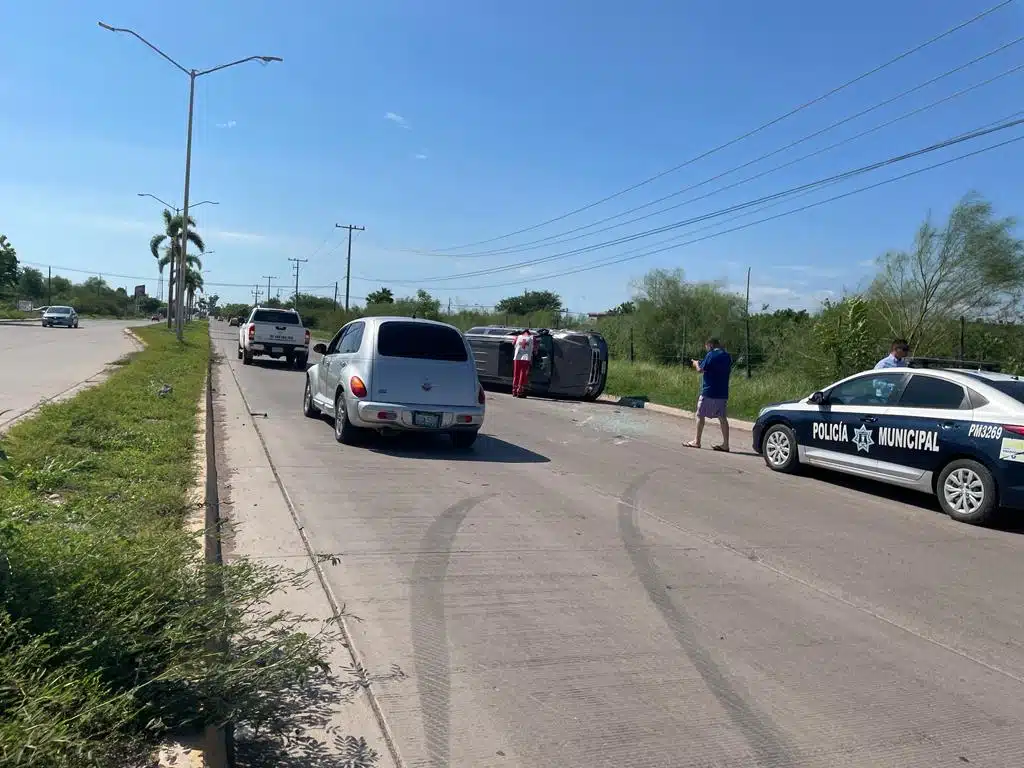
308	408
779	448
344	431
967	491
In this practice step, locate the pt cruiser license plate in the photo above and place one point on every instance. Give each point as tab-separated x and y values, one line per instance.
430	420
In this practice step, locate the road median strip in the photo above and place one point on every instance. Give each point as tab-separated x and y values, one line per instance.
111	640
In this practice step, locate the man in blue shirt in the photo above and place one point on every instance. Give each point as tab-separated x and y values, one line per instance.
715	369
896	357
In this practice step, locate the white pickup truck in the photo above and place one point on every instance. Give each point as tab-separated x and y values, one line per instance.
275	333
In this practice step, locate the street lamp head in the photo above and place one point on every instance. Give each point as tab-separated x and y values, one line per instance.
107	27
268	59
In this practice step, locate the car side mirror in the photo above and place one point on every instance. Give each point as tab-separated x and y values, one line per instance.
320	348
818	398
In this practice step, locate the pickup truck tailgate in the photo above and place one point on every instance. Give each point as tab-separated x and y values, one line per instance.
269	333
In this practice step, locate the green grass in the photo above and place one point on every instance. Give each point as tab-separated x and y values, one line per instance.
106	640
678	386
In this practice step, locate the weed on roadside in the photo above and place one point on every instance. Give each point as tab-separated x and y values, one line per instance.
678	386
108	640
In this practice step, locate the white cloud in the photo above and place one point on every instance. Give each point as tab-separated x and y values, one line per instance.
229	235
118	225
779	296
397	119
866	263
228	124
420	156
525	270
810	269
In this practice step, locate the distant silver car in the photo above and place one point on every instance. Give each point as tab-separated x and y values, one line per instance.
65	316
397	374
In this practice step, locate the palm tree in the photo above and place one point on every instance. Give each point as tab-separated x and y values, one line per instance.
193	285
383	296
173	224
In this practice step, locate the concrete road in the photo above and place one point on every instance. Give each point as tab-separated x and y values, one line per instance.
583	591
42	363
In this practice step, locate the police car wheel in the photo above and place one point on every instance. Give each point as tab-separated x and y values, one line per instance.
779	448
967	491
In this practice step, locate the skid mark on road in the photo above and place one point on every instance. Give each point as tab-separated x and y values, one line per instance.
768	743
429	628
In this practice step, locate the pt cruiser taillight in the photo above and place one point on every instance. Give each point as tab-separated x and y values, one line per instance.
356	387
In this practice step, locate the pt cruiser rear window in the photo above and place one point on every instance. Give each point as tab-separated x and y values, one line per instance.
420	341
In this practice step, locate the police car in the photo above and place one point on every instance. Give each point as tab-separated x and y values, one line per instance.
954	432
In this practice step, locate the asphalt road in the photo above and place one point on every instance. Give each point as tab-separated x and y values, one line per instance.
42	363
583	591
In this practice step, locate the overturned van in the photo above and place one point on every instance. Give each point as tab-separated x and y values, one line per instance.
565	363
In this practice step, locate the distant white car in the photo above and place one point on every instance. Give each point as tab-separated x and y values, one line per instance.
275	333
393	374
65	316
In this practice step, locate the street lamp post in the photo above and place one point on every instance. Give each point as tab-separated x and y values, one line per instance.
172	265
179	326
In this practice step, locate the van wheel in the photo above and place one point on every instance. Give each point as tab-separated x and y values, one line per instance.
464	440
967	491
246	357
779	448
344	431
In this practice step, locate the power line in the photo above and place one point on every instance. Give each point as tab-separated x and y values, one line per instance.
322	245
561	237
618	259
105	274
724	211
748	134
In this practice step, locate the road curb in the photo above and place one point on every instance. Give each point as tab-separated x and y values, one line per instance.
679	413
213	747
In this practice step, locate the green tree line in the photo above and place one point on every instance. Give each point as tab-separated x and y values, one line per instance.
955	292
93	296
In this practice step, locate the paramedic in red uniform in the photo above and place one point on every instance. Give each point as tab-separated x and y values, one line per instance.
522	357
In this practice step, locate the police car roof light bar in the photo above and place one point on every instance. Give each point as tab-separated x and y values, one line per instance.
963	365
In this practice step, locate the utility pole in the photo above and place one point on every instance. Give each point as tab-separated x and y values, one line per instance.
348	261
296	268
49	285
335	295
256	293
268	278
746	317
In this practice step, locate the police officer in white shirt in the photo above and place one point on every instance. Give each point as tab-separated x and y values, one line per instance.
896	357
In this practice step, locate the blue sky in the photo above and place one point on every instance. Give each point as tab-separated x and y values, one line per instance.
435	124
